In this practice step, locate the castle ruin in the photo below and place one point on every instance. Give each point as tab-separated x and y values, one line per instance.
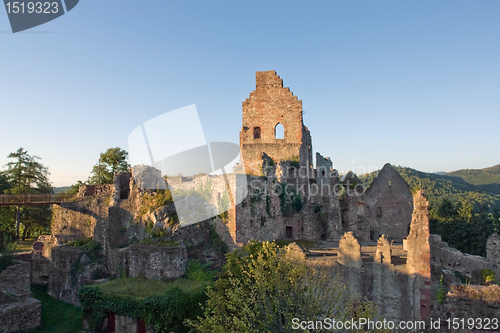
377	238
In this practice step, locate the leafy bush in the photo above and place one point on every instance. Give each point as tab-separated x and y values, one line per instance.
166	312
261	289
488	276
154	200
199	272
90	247
440	292
217	243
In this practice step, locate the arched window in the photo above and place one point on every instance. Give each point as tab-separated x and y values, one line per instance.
256	132
279	131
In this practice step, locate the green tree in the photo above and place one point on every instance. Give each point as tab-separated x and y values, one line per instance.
26	175
262	288
112	161
446	209
75	187
4	183
465	210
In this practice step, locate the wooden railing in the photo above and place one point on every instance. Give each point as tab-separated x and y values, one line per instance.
35	199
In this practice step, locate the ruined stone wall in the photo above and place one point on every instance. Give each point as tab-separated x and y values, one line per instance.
64	283
148	261
259	215
77	220
15	280
493	251
18	310
468	301
20	316
270	211
71	269
446	257
271	104
389	205
377	273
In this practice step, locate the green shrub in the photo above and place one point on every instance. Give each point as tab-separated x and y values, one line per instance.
6	260
154	200
199	272
440	292
217	243
90	247
488	276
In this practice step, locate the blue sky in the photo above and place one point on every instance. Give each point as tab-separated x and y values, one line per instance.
413	83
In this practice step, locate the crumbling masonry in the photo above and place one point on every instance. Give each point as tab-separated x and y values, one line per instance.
378	239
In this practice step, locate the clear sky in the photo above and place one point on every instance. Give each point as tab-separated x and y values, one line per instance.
413	83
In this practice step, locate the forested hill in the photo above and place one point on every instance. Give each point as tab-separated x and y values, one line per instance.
487	178
450	186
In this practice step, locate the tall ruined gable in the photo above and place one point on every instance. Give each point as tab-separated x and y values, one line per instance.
418	262
269	106
389	204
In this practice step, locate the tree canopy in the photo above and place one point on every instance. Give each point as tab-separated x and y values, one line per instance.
111	161
262	288
24	175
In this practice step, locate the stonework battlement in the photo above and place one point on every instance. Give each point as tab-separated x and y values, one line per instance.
265	79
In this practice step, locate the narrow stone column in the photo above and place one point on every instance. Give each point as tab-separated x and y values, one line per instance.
349	252
418	262
383	253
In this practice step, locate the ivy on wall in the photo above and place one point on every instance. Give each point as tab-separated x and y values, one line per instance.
165	312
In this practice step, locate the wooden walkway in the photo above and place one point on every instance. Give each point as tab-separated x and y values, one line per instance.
35	199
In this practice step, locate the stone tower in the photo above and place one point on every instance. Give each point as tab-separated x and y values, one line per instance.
269	107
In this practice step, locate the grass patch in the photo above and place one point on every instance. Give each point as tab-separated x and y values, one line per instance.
140	287
25	245
57	316
304	243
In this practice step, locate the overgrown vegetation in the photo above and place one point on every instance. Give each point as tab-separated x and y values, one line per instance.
161	242
6	260
216	242
141	287
488	276
57	316
199	272
223	207
7	254
165	305
89	247
295	161
261	289
464	227
151	201
440	292
290	201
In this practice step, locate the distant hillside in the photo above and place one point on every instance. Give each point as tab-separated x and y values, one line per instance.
438	186
62	189
487	178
